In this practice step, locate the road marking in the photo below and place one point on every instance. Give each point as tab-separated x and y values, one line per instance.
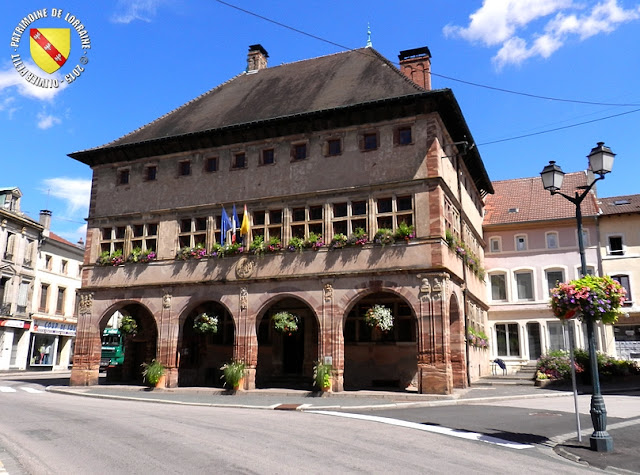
31	390
436	429
7	389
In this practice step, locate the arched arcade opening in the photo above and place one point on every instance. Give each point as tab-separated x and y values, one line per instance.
129	350
376	359
286	359
202	354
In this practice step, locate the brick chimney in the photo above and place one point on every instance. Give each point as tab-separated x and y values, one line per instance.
416	65
257	58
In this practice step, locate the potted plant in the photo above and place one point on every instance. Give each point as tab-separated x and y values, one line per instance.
111	258
153	373
405	232
322	376
257	246
296	244
384	236
590	298
285	322
128	325
233	374
205	323
359	237
314	241
339	241
379	316
274	244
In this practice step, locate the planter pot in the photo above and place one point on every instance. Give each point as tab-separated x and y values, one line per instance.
544	382
162	383
327	389
239	386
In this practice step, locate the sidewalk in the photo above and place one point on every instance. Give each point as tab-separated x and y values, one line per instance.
625	457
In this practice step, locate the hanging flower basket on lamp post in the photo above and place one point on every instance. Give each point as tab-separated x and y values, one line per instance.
589	298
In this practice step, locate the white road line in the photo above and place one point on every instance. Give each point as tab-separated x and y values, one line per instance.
31	390
7	389
436	429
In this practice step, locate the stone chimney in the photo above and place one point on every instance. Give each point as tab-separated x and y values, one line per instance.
416	65
257	58
45	220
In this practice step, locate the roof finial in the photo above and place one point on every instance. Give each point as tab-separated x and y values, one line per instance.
369	45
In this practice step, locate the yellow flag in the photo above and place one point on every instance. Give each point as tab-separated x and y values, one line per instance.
244	228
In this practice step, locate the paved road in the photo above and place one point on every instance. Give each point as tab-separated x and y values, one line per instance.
53	433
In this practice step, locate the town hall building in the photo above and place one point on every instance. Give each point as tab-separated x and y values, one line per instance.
362	187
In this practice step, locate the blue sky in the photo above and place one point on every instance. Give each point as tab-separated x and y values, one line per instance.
148	57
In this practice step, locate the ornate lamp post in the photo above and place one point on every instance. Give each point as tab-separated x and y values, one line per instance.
600	163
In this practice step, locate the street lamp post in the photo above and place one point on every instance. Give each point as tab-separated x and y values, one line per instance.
600	163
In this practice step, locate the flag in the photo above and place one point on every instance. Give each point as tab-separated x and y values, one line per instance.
225	226
244	229
234	223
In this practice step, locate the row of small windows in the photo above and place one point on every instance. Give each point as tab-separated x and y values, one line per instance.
345	218
299	151
522	284
521	241
615	243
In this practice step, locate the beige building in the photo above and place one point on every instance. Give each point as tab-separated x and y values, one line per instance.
343	147
53	306
532	244
19	236
620	249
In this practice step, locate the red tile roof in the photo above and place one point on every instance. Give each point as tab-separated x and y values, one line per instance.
620	204
55	237
529	201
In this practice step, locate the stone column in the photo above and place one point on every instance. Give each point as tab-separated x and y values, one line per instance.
86	358
435	374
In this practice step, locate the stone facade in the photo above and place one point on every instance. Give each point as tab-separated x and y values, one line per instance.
371	166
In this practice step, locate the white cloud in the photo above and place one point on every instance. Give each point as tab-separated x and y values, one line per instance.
128	11
46	121
10	78
524	28
75	192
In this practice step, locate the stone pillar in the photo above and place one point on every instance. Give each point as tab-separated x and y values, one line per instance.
246	339
435	374
88	348
332	338
168	332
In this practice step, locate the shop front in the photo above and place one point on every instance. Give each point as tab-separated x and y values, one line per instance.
14	337
51	344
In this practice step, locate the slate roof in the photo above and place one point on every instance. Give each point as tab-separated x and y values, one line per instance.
533	202
295	91
310	85
626	204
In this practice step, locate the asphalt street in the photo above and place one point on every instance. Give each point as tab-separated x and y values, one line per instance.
516	414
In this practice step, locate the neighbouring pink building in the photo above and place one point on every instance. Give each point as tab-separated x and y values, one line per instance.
532	243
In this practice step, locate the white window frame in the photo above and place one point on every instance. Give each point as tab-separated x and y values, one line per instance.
557	238
620	252
515	242
504	273
498	241
553	269
516	294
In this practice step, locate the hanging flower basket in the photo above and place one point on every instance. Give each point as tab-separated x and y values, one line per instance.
204	323
589	298
379	316
285	322
128	325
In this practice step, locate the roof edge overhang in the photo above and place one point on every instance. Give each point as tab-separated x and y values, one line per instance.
441	101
